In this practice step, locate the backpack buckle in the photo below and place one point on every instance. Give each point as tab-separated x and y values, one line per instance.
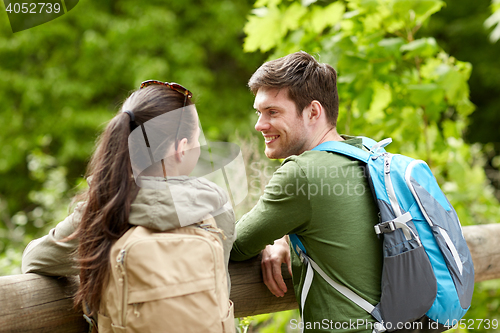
379	146
302	256
384	227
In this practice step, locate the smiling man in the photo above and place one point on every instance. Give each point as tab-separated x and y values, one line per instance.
322	197
286	132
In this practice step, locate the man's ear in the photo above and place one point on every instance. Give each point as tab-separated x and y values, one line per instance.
181	149
315	111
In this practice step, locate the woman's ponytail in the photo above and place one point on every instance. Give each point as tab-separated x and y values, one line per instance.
110	193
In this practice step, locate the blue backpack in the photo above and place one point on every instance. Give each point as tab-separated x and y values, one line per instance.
428	274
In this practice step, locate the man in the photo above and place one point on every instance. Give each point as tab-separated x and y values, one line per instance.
322	197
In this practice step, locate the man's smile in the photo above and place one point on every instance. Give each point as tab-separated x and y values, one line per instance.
270	138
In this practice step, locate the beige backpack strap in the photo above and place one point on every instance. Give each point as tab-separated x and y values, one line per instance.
89	319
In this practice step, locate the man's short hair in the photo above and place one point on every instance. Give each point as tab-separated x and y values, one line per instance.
305	80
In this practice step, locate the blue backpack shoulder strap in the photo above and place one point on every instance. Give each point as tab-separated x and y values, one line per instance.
344	149
294	239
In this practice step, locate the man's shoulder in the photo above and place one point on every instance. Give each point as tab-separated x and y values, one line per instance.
311	156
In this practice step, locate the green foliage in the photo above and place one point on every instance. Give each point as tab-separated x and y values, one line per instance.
494	21
60	82
392	82
459	29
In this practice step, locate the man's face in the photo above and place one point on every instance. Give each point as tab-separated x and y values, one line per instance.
284	131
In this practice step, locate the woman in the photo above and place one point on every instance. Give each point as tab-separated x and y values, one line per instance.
138	176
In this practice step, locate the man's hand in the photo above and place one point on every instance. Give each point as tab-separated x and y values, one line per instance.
273	256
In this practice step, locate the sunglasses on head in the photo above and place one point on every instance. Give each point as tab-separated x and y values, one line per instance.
180	89
172	85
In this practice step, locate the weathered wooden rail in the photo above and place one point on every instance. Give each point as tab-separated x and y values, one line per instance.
33	303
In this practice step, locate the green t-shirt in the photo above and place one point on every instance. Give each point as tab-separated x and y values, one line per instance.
326	200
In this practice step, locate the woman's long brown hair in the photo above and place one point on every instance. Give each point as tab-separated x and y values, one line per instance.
112	189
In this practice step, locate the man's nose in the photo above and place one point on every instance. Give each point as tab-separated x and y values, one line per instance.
262	124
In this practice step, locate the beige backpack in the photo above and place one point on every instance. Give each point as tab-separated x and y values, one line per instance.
171	281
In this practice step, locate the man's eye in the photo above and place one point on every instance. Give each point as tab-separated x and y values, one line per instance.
257	113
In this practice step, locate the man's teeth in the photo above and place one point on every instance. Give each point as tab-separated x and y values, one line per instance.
270	138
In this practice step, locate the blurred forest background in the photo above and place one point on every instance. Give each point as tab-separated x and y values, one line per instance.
424	72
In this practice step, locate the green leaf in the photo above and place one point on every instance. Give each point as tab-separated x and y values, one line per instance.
424	9
381	98
327	16
392	45
271	3
493	21
352	64
291	17
453	83
465	107
306	3
267	29
425	94
263	32
417	10
373	22
423	47
363	100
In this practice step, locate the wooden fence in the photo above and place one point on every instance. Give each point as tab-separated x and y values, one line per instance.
33	303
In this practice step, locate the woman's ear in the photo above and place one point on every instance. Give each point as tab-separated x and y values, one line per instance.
181	149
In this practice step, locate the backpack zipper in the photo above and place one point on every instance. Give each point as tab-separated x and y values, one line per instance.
121	268
136	309
408	171
444	234
210	228
388	185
